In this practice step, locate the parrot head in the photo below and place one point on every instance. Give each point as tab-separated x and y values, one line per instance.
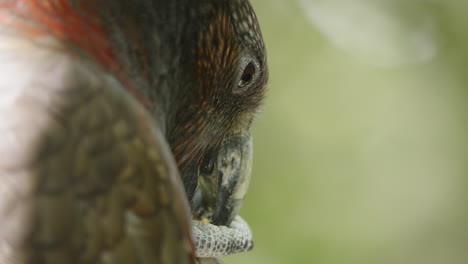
224	83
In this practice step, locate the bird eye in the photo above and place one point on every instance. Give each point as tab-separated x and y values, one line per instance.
247	75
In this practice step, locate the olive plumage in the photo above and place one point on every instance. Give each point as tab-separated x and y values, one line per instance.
123	122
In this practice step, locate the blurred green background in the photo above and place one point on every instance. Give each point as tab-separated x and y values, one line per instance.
361	148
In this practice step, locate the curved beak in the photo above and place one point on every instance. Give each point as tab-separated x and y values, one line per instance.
223	181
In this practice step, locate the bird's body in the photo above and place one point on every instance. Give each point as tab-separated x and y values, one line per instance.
104	104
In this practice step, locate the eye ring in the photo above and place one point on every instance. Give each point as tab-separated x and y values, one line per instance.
248	74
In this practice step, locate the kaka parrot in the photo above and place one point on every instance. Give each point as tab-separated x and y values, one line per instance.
126	129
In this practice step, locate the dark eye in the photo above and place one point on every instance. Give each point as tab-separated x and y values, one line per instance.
248	72
247	75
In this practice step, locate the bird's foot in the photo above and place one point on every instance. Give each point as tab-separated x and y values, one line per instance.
213	241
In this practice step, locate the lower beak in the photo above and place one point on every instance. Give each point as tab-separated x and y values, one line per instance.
223	181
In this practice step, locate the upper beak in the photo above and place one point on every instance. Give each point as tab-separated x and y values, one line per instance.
223	181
